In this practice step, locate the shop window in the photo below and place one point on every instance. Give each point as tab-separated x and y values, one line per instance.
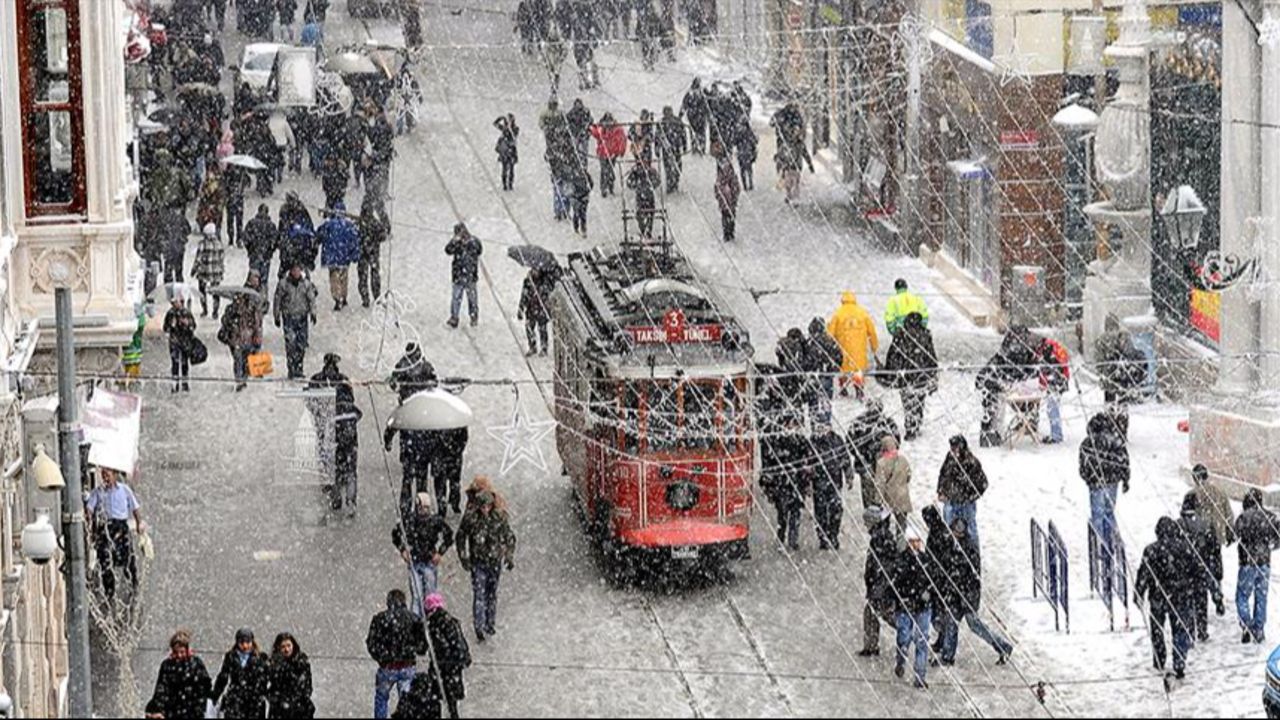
52	108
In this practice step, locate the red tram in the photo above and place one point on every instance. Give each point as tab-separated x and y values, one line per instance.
653	383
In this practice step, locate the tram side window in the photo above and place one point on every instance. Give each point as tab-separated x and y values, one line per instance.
732	414
631	420
663	415
603	404
699	416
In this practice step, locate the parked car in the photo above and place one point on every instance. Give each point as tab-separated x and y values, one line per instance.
256	65
372	8
1271	692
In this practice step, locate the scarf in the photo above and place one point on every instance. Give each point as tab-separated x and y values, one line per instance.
243	657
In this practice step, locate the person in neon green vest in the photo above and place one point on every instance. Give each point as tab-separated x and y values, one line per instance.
902	304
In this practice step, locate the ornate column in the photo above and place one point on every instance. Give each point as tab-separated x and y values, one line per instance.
1121	284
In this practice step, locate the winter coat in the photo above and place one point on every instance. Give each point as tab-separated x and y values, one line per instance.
373	229
293	212
450	652
675	140
962	481
485	540
180	326
534	302
245	687
182	687
208	267
912	362
330	377
427	536
174	229
853	328
902	304
1216	510
865	434
1162	575
260	239
1257	531
242	323
830	463
1016	361
1104	458
422	700
346	439
466	250
412	374
911	583
893	484
1122	367
611	141
295	298
823	355
783	458
213	198
880	567
1206	571
396	637
334	176
506	147
728	187
289	686
643	179
299	247
944	561
579	120
694	107
1055	370
746	142
339	241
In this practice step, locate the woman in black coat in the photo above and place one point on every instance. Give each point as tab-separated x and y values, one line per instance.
912	365
449	650
243	678
182	687
289	680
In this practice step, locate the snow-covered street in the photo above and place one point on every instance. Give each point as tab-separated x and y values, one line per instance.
244	539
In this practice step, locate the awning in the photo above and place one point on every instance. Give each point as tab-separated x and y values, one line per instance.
968	169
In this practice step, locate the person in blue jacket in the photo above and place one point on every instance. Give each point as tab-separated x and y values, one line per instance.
339	249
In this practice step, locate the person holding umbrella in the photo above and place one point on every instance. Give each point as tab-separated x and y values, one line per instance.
534	298
241	329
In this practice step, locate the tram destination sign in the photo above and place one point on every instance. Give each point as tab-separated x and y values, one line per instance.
674	329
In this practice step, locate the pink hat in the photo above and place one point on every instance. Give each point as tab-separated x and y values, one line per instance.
433	602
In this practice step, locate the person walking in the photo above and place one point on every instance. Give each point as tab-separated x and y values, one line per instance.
1122	367
855	332
486	544
182	684
912	365
395	639
878	574
295	311
745	145
611	147
422	537
1215	508
864	438
507	149
289	680
450	654
727	190
174	228
339	250
534	310
643	180
825	358
109	507
334	177
451	448
298	247
180	326
208	268
831	468
1055	379
236	179
261	239
1259	534
241	329
893	481
465	249
412	373
791	154
553	55
1104	467
693	107
579	120
1205	573
673	143
1162	583
579	187
957	580
373	230
961	483
240	690
914	612
903	303
212	202
346	456
784	453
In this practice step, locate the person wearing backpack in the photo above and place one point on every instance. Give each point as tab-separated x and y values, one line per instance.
449	651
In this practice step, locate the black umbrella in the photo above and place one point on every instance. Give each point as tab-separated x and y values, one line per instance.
533	257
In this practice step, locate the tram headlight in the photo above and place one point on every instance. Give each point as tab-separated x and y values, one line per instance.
683	496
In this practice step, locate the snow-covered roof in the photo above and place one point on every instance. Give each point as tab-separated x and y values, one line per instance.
957	48
1076	117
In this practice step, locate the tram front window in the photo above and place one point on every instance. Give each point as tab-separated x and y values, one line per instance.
699	415
664	415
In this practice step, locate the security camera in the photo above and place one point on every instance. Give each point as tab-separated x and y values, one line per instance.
6	704
39	539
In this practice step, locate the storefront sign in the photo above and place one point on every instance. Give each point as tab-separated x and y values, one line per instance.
1019	139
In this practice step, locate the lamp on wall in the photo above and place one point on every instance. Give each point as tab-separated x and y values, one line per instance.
1183	214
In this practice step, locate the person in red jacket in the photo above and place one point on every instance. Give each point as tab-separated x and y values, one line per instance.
1055	379
611	144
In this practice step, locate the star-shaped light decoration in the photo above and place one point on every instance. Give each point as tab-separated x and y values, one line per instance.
1013	69
1269	29
521	440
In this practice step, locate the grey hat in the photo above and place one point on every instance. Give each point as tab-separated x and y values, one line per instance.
244	635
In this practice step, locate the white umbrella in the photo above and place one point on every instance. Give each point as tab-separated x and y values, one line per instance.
432	410
245	161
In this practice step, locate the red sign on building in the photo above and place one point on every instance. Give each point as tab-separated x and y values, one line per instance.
1019	139
675	330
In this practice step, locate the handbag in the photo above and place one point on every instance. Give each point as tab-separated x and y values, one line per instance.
259	364
197	351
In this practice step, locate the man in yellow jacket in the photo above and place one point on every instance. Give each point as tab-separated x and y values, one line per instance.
855	331
902	304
